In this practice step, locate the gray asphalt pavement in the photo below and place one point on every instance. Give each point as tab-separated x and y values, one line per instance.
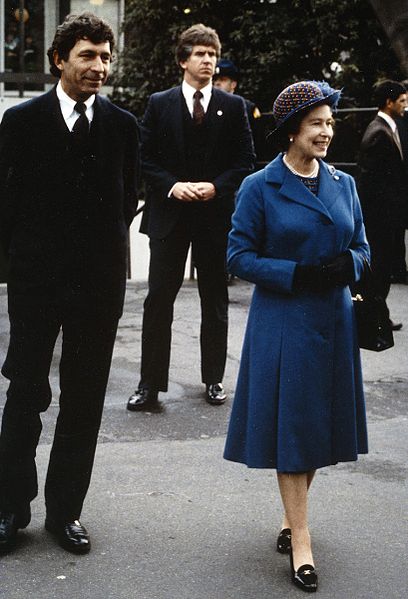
170	519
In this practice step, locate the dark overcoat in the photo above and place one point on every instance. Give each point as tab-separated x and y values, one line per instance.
60	241
299	402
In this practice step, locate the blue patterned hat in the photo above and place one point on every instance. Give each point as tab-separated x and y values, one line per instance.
301	95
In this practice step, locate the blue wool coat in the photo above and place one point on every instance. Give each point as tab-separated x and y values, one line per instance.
299	402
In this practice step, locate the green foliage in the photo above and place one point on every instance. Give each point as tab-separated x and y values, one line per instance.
273	42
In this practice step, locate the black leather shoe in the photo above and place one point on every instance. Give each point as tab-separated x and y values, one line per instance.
9	525
396	326
144	399
215	394
305	577
284	542
72	536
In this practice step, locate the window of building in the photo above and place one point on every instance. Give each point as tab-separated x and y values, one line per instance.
23	39
26	31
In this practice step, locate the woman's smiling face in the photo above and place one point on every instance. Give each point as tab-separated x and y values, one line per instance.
314	135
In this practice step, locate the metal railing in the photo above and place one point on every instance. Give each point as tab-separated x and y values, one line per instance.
25	77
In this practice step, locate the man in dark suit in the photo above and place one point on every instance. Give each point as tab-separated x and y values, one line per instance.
382	183
68	183
226	77
399	268
196	149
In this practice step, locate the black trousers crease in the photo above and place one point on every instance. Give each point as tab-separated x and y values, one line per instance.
87	345
167	264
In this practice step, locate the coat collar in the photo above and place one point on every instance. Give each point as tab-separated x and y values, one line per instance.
290	186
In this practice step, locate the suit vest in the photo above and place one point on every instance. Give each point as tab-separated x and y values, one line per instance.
196	138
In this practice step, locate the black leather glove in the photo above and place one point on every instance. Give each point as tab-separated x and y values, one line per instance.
309	277
340	271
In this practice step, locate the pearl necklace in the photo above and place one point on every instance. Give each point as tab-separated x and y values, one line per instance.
311	175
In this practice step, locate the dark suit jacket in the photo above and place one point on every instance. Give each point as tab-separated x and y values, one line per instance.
402	124
58	243
229	157
382	180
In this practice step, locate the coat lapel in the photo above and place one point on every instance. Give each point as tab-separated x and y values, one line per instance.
215	117
101	130
329	185
292	188
52	122
175	119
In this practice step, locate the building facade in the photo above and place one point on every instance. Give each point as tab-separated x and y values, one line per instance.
26	31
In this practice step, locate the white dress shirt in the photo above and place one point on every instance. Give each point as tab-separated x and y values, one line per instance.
67	107
189	91
389	120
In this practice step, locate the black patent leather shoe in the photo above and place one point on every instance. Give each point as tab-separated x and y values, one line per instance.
305	577
284	541
395	326
215	394
71	536
144	399
401	278
9	525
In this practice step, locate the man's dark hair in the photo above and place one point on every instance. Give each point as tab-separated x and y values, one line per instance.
78	27
196	35
387	90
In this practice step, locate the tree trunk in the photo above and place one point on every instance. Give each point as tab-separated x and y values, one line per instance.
393	16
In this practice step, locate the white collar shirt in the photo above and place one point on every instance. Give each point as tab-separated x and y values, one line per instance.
189	91
389	120
67	105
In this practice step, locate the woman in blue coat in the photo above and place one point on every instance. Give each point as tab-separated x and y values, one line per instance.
298	234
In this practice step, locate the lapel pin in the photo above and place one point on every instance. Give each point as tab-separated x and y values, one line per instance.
219	112
333	172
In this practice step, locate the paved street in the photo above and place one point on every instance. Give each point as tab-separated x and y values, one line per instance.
170	519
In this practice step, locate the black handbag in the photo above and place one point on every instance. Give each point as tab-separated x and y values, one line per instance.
372	317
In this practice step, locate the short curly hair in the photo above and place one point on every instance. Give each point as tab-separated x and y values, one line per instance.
76	27
196	35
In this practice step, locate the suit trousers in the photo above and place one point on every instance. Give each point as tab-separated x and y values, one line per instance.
87	345
382	240
166	273
399	265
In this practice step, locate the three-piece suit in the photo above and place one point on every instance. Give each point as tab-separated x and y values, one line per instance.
175	149
65	213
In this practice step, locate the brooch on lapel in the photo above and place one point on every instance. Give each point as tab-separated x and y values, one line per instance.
219	113
332	171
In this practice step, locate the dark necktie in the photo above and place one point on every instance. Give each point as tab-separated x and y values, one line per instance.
198	110
81	125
